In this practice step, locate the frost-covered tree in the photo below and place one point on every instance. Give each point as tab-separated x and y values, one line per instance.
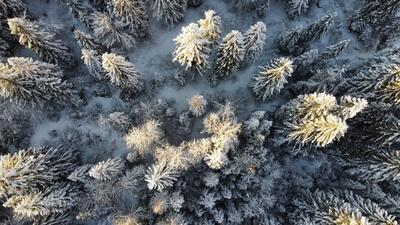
122	73
372	16
4	48
192	48
141	138
320	131
107	170
377	166
224	130
131	12
259	6
211	24
301	37
32	169
229	55
254	41
41	40
33	82
339	207
169	11
270	79
316	120
80	10
87	41
325	80
194	3
350	106
295	7
334	50
197	105
11	7
159	203
111	33
54	199
159	177
93	62
378	81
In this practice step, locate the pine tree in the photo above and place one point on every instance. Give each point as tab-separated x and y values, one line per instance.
80	10
376	167
229	55
11	8
295	7
40	40
211	24
340	207
107	170
372	16
54	199
271	79
192	48
315	120
36	83
260	6
131	12
224	130
254	41
169	11
122	73
111	33
334	50
378	81
31	169
302	36
160	177
320	132
350	106
87	41
92	61
143	137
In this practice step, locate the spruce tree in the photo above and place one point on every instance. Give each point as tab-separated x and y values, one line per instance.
111	33
80	10
169	11
35	83
122	73
334	50
55	199
254	41
131	12
87	41
295	7
259	6
32	169
192	48
372	16
107	170
40	40
271	79
229	55
211	24
92	61
301	37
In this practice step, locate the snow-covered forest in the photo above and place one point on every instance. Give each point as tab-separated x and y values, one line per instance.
199	112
